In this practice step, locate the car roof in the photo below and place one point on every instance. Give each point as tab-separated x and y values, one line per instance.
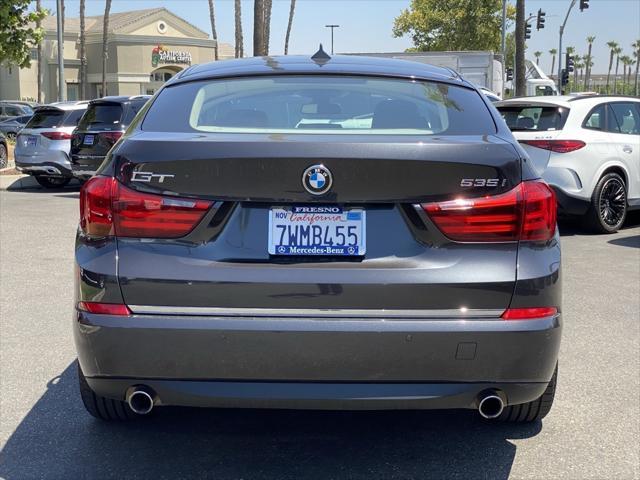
120	99
319	63
563	100
71	105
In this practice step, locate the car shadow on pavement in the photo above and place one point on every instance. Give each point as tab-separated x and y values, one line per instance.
575	226
58	439
633	242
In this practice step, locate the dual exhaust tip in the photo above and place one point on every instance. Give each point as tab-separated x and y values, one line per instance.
141	399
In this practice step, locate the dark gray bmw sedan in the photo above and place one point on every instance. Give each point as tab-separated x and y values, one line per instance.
316	232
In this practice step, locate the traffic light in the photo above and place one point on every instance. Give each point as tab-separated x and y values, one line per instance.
569	63
565	77
584	4
527	31
509	74
541	19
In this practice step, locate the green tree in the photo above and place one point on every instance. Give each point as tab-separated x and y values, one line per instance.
588	60
617	51
537	54
452	24
636	53
612	46
18	33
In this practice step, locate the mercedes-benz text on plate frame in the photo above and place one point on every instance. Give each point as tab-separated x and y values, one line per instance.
358	234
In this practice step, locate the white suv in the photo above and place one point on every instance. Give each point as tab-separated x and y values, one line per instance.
587	148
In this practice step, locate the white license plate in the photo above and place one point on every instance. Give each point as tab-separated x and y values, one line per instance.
317	230
88	139
32	141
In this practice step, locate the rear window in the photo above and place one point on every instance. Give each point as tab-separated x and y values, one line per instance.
533	118
46	119
72	118
320	104
102	116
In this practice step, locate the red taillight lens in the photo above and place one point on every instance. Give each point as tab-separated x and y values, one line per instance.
107	207
105	308
528	313
56	135
527	212
111	137
558	146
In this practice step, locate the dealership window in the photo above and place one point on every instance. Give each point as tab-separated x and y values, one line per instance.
72	91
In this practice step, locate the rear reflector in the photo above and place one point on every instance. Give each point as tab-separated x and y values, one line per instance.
109	208
528	313
526	212
105	308
56	135
558	146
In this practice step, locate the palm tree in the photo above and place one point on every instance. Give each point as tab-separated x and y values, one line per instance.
612	45
617	51
83	54
286	38
239	38
588	58
577	66
636	46
537	55
553	52
267	25
39	69
588	62
258	28
520	80
214	35
105	53
627	61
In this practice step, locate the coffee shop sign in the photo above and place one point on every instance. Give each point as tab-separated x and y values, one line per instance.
161	55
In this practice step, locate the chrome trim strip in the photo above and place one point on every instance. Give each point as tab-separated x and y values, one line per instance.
454	313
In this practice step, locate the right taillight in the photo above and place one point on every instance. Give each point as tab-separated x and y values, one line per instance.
109	208
526	212
557	146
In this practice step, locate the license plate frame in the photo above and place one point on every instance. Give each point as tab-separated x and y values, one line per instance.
349	242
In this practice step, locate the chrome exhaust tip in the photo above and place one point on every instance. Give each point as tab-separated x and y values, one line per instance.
141	401
491	406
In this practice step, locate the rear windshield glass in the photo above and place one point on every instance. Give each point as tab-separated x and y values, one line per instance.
102	116
529	118
72	118
46	119
320	104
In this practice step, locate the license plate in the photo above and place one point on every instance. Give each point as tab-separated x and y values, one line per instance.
88	139
32	140
317	230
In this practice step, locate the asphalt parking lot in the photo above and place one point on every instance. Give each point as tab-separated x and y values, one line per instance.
593	430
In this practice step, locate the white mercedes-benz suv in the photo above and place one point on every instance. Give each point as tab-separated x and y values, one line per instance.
587	148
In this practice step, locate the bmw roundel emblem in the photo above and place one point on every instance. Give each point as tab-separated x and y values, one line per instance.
317	179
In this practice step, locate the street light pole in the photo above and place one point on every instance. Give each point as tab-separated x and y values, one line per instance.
62	94
332	27
573	2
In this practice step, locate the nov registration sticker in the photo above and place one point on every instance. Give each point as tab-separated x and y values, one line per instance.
317	230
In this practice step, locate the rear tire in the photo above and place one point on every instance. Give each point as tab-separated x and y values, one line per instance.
608	204
52	182
532	411
106	409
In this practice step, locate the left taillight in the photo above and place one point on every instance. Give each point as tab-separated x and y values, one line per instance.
108	208
526	212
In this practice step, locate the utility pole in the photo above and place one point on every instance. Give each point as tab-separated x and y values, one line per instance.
504	45
332	27
573	2
62	93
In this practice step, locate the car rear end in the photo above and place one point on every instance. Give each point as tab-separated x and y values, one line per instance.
318	241
106	120
42	146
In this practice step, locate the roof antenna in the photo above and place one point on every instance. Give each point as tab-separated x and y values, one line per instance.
320	56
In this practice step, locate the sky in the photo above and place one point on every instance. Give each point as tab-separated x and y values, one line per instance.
365	25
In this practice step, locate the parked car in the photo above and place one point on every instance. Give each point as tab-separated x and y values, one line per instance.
42	146
343	232
27	103
4	151
12	126
11	110
104	123
587	148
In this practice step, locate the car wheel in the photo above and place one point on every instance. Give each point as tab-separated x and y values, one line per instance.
608	204
4	157
532	411
100	407
52	182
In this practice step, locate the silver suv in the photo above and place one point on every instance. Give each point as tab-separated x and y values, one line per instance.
42	147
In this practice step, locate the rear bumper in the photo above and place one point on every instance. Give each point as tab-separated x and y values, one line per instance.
44	168
85	167
317	363
569	205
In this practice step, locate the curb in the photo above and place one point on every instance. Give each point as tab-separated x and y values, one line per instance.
17	182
